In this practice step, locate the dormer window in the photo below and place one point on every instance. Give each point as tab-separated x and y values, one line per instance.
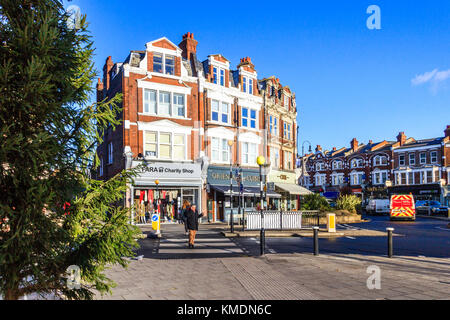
215	75
163	62
157	62
170	65
286	102
222	77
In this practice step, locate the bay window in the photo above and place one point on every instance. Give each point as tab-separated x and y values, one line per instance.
337	179
356	178
164	145
379	177
167	104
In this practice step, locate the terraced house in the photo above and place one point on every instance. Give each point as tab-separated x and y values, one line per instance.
189	122
404	166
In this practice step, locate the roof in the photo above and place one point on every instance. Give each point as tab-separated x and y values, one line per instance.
422	143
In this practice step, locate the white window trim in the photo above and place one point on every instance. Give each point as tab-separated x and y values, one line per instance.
220	113
335	167
413	157
251	163
164	54
221	161
380	172
249	118
336	175
100	173
420	158
110	153
358	173
172	105
172	133
431	156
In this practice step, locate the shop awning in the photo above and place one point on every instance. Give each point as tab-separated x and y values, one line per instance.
293	188
247	191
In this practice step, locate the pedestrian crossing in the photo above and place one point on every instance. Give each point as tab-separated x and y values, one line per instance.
206	243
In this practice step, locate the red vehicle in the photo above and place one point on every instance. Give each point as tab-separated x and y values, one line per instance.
402	207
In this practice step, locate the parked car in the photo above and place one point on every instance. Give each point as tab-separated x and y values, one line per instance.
430	207
378	206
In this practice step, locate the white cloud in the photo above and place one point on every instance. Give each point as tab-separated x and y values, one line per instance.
434	77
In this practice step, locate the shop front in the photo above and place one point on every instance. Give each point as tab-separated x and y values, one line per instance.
420	192
446	196
163	187
291	193
247	197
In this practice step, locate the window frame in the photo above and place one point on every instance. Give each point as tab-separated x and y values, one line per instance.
400	161
220	112
412	156
435	153
171	144
110	153
251	157
425	158
172	105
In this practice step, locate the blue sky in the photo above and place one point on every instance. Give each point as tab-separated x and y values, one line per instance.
350	81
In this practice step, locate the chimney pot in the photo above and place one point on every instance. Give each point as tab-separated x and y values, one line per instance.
447	131
401	138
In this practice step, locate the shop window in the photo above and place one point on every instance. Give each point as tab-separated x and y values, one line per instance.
249	153
157	62
170	65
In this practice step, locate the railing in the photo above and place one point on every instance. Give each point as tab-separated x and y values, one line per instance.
281	220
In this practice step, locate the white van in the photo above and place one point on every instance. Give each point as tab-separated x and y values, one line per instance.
378	206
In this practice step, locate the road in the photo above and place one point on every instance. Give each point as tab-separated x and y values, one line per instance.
423	237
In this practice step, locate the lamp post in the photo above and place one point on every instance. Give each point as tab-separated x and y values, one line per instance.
157	207
303	156
230	143
261	161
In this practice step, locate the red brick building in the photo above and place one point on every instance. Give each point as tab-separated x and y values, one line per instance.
186	120
379	169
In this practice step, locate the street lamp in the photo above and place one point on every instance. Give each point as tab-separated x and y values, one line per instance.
157	206
261	161
303	157
230	143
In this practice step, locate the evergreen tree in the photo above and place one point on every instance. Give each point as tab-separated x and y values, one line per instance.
52	214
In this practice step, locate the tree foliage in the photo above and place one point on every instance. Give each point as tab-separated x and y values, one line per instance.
348	202
315	201
48	133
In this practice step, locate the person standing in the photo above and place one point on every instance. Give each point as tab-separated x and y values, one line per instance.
192	217
184	208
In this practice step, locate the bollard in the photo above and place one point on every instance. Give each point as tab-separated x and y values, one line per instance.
262	241
390	246
316	240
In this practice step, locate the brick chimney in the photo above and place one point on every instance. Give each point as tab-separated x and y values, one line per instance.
401	138
99	90
370	141
334	148
354	144
318	148
106	72
188	45
447	131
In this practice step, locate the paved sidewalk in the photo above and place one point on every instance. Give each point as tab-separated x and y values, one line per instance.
219	269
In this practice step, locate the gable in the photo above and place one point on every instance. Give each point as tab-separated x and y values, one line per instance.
165	44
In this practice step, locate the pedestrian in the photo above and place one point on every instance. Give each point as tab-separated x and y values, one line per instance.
192	217
186	205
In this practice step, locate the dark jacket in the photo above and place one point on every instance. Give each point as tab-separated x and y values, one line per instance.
192	219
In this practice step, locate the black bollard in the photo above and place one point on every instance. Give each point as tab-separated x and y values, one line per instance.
262	241
390	245
316	240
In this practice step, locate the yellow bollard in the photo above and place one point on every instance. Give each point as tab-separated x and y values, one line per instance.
331	222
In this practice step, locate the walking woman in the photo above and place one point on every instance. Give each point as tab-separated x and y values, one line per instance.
192	217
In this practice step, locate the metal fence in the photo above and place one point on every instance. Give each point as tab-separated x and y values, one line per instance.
281	220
